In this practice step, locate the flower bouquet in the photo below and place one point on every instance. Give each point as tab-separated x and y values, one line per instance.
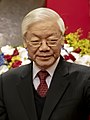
75	49
11	57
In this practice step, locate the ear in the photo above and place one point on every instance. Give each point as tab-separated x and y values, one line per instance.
62	40
24	42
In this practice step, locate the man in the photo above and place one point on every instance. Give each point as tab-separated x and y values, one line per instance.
63	92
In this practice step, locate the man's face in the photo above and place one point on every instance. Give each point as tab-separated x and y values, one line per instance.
43	41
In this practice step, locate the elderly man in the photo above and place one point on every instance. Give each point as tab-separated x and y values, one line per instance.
49	88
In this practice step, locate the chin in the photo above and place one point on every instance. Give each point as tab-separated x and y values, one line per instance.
44	64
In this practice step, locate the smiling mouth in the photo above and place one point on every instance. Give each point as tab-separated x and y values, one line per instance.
44	57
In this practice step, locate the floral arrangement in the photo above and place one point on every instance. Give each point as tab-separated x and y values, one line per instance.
12	57
75	50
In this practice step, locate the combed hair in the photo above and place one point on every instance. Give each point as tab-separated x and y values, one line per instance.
41	14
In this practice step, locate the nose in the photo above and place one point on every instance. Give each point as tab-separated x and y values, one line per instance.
44	46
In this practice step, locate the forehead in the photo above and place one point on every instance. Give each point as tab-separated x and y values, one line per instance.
44	27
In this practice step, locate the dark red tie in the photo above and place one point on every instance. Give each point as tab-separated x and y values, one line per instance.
42	88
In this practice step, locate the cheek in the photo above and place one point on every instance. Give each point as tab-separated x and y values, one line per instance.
57	51
31	52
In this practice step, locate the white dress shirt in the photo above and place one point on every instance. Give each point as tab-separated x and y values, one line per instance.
50	70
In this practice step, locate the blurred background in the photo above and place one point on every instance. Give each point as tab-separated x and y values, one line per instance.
11	15
76	14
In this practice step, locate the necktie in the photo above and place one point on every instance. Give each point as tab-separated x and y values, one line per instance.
42	88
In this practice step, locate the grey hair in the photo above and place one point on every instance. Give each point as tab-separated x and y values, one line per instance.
40	14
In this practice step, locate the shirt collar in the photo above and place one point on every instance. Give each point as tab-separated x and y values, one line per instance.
50	69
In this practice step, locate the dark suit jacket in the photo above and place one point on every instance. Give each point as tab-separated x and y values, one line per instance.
68	97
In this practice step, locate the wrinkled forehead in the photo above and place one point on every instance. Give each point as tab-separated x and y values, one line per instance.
29	22
45	24
44	27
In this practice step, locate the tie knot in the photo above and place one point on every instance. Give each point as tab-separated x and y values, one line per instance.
43	75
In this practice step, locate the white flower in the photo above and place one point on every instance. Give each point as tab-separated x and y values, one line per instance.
24	62
84	60
70	61
13	57
7	50
63	52
3	69
23	53
68	48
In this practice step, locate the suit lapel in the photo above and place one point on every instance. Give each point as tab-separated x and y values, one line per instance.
59	85
25	90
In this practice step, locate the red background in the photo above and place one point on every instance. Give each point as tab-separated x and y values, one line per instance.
75	13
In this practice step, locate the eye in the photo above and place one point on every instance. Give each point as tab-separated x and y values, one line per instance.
35	42
52	41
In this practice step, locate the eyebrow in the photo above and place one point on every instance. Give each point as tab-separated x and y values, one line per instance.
41	36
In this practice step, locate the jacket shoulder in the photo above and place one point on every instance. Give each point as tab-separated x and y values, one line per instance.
16	72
